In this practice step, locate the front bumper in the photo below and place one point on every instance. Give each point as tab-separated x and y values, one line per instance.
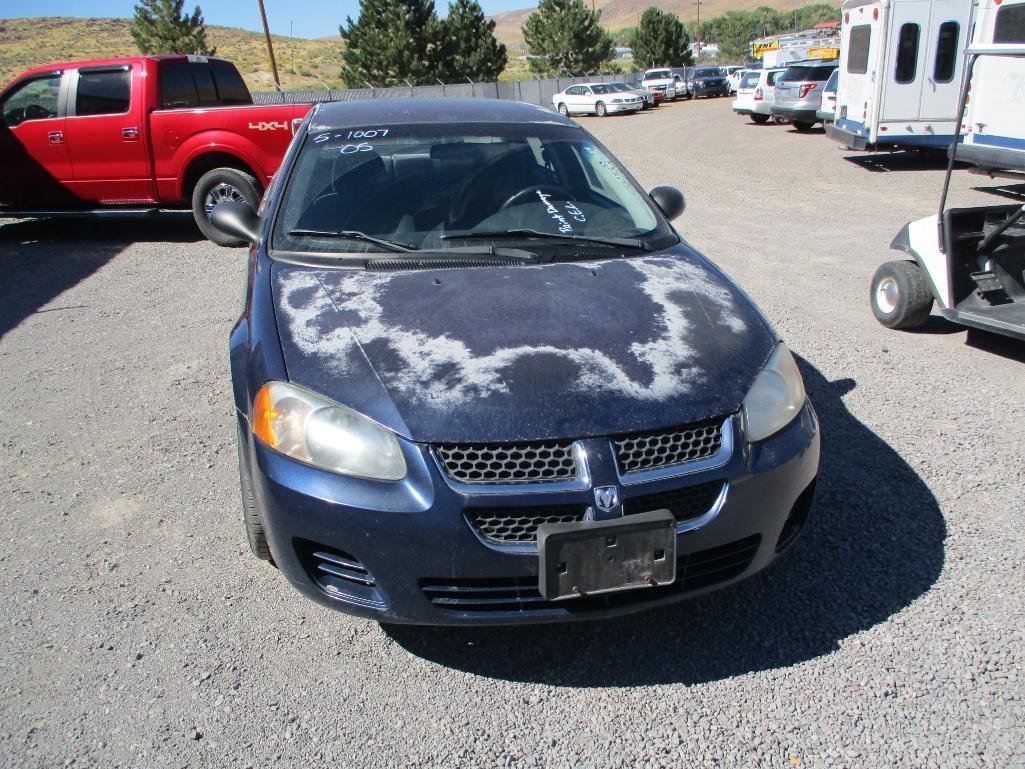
708	90
413	541
795	114
617	108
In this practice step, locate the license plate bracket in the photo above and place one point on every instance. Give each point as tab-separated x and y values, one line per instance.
594	557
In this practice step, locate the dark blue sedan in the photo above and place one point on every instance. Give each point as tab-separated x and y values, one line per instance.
479	378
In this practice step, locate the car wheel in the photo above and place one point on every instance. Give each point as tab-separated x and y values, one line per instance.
563	110
900	295
255	534
599	109
215	186
760	119
802	125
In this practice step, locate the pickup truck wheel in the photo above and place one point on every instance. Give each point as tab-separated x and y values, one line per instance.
215	186
900	295
599	109
760	119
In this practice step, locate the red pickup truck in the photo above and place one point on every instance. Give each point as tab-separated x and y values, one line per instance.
137	133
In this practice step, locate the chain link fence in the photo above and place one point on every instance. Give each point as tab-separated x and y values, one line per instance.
538	92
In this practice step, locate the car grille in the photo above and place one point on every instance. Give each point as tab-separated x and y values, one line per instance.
520	594
684	503
510	525
516	524
646	451
509	463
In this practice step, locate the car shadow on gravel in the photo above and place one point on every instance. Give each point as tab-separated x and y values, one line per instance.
874	544
42	258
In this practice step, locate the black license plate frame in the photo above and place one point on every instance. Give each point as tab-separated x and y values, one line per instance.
597	557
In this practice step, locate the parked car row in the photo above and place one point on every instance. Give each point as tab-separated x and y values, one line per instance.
656	86
802	94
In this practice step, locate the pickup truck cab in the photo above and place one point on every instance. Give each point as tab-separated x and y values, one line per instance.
133	133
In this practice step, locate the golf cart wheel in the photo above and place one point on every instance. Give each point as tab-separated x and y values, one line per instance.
599	109
563	110
802	125
900	295
760	119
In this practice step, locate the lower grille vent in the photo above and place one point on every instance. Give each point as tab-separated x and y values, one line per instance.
514	524
520	594
685	503
339	574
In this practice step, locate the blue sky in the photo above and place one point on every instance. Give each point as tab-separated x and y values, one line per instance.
310	18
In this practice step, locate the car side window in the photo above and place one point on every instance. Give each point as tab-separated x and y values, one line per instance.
103	93
35	99
771	78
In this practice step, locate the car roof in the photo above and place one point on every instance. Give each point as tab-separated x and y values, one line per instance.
385	112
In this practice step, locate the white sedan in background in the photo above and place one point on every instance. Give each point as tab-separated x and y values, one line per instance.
595	99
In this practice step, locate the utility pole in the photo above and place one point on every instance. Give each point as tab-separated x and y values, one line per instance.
697	33
270	46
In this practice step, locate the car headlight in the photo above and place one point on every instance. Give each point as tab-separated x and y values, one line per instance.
312	429
775	398
700	82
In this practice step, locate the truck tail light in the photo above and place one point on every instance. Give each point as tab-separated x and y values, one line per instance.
806	89
758	95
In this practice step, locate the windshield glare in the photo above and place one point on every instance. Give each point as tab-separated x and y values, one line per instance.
420	185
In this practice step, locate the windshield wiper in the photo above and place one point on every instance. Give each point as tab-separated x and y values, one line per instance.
391	245
526	233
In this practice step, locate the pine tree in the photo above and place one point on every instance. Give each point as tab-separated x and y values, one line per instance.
471	48
393	41
161	26
661	40
566	36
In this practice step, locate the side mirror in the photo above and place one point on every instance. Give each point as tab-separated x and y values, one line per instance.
238	219
669	200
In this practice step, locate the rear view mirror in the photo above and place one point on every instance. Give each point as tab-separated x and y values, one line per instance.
238	219
669	200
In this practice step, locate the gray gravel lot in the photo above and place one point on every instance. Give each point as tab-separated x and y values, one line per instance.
139	632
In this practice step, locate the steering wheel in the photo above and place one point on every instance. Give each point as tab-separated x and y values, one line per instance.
552	189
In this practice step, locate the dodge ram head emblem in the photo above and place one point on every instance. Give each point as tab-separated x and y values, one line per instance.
606	498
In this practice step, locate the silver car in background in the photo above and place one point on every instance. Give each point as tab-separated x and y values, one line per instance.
644	93
827	112
799	92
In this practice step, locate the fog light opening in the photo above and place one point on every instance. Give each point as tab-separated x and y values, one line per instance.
797	518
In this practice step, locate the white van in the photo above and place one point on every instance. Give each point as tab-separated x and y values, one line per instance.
901	63
994	128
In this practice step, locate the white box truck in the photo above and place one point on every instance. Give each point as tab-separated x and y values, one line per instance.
994	125
901	64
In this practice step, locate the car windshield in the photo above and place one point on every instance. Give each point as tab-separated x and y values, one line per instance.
706	72
750	80
426	186
601	88
805	74
658	74
620	87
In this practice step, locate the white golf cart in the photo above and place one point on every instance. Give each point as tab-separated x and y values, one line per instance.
970	260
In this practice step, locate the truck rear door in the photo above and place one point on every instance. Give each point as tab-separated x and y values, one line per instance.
106	135
905	70
35	166
948	33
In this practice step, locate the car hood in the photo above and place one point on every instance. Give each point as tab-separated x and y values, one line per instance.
524	353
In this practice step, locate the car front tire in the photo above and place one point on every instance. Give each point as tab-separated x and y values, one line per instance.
255	534
900	295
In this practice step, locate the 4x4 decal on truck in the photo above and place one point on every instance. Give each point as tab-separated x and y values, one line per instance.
269	126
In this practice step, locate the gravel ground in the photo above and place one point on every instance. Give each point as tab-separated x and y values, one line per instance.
139	632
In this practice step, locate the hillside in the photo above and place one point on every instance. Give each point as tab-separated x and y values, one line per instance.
618	14
30	42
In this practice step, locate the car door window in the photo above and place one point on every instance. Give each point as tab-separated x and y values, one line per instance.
35	99
103	93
